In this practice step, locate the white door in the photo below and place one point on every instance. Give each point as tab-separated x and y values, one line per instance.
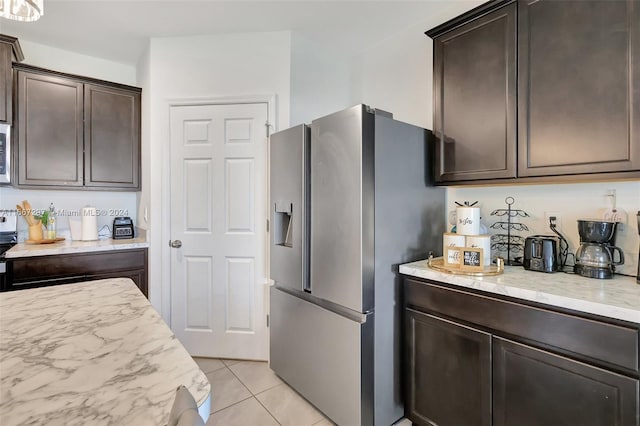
218	213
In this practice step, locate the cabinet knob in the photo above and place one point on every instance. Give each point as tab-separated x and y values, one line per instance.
175	243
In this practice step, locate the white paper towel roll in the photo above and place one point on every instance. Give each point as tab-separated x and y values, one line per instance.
483	242
89	224
468	220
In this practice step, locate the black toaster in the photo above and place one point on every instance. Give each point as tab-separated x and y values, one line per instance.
122	228
541	253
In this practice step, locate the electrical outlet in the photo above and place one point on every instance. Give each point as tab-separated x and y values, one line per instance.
558	219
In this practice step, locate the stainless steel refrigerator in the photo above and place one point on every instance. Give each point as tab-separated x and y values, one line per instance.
351	199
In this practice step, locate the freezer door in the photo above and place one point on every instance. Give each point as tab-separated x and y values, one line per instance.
289	199
342	208
325	357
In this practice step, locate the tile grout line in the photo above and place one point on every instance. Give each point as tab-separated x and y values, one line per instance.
250	391
270	413
254	395
237	402
229	406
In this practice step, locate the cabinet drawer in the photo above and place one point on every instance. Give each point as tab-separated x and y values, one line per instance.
48	267
605	343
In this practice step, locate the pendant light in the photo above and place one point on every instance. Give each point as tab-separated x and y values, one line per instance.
22	10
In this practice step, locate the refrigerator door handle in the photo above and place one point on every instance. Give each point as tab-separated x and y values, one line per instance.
359	317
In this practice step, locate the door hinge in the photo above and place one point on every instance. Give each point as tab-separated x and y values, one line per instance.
267	125
267	320
267	225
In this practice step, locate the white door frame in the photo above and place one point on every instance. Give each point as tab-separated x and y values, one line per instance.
271	101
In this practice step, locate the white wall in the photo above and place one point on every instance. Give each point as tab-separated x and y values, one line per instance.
396	75
320	79
73	63
201	67
144	81
56	59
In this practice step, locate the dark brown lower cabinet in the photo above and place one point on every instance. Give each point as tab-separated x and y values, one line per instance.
532	387
40	271
466	366
450	369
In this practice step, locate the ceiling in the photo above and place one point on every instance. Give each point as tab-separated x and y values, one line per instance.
119	30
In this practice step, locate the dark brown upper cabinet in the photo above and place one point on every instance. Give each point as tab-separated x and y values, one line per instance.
474	83
49	130
576	113
112	137
9	51
578	87
76	132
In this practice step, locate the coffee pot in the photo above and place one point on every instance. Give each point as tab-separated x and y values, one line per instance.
595	258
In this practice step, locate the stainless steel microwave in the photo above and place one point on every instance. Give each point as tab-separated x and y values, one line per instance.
5	153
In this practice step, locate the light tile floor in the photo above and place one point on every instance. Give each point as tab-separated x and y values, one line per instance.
248	393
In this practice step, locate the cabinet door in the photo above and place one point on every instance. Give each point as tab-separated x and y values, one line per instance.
448	376
532	387
112	137
49	130
579	87
475	98
5	82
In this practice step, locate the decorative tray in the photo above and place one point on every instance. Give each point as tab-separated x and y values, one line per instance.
46	241
437	263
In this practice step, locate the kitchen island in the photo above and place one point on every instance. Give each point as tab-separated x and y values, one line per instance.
93	353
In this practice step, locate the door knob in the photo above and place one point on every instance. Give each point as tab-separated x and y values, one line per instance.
175	243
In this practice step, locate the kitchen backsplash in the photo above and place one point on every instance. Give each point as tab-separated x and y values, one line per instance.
570	201
108	205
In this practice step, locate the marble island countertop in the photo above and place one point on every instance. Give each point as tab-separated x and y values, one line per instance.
69	246
617	298
92	353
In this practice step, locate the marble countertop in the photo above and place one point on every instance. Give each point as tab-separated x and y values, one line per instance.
617	298
94	353
68	246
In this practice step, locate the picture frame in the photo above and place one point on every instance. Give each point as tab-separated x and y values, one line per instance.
451	257
471	258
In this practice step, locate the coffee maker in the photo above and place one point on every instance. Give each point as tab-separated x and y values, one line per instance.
595	257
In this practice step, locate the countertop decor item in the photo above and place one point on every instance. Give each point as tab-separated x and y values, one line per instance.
438	264
35	225
509	243
44	241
